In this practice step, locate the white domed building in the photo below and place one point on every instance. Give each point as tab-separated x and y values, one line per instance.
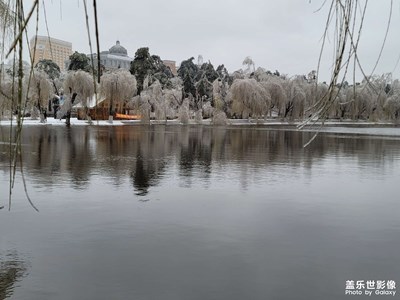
115	58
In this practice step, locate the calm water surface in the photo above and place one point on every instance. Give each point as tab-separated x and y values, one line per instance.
198	213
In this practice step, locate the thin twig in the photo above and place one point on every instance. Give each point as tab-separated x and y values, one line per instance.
22	28
47	30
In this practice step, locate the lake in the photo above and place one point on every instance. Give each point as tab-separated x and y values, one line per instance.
192	212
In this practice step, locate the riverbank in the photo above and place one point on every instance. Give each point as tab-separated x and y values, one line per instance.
232	122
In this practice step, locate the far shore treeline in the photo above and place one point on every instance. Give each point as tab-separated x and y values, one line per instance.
199	90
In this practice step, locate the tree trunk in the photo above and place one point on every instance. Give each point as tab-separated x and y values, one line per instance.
68	115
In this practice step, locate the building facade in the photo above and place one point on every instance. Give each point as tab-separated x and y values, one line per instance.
172	65
50	48
115	58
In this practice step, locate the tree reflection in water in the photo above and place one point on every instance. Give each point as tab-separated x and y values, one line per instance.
144	175
145	154
12	269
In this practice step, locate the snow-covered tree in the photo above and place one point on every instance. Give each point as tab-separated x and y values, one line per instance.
339	106
79	61
78	87
7	94
39	92
219	118
238	74
52	70
204	90
392	104
118	87
249	98
219	93
157	100
392	107
7	17
173	100
249	64
81	83
207	110
145	65
315	92
295	99
184	112
188	71
261	74
278	98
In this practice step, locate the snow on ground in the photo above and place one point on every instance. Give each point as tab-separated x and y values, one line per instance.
58	122
345	127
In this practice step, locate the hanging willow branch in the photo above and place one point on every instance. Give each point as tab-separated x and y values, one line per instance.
22	28
18	87
346	21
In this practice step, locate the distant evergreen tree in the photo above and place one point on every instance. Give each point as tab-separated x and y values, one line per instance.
49	67
79	61
144	65
188	71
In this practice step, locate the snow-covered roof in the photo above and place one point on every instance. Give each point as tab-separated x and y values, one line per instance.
91	103
119	50
111	56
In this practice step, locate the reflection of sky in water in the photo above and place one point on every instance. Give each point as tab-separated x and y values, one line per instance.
381	132
226	214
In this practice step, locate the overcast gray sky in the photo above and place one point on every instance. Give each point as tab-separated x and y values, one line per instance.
282	35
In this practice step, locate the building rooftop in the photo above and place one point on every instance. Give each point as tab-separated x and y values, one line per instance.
54	40
117	49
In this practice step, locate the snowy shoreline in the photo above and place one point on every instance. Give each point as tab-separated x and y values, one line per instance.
235	122
332	126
